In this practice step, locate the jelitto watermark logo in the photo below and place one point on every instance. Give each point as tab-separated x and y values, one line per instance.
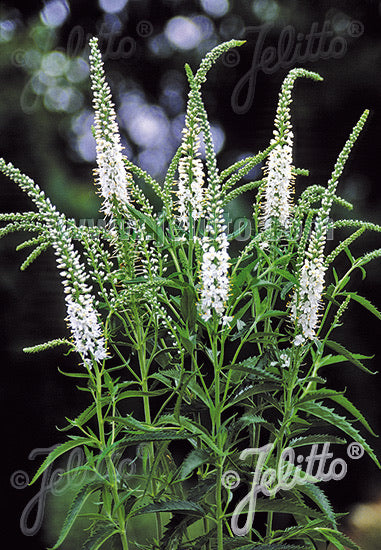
288	474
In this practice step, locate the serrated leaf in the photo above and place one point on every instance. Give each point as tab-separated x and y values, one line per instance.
364	302
319	497
79	500
314	440
341	541
333	359
251	366
100	534
131	422
253	390
260	546
341	350
174	506
195	458
317	394
340	422
285	506
344	402
163	435
188	307
192	386
60	450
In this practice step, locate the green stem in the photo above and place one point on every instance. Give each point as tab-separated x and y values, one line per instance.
109	464
147	418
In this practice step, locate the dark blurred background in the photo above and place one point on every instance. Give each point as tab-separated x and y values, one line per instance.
45	122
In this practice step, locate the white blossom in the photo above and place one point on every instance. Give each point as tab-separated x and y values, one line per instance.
307	300
82	316
85	328
190	191
279	182
113	178
214	272
112	175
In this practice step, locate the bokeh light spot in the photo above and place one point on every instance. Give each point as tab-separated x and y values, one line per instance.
55	13
7	30
266	10
112	6
216	8
183	33
54	64
149	126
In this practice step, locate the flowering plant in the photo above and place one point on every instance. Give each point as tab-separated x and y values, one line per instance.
223	352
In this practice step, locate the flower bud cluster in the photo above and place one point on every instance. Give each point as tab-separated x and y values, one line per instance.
215	265
115	182
307	300
190	192
279	184
82	316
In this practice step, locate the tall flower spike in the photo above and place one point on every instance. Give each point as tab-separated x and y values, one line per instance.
214	279
82	315
307	299
277	190
190	193
279	184
215	266
115	182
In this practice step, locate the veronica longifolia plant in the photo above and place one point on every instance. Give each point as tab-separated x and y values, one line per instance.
223	352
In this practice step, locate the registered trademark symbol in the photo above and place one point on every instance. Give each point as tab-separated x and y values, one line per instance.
144	28
355	450
355	29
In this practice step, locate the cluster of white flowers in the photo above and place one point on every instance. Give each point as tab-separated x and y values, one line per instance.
285	359
114	180
279	183
307	300
85	328
190	191
82	316
214	270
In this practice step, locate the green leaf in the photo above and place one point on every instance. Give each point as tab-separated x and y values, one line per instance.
340	422
168	435
285	506
317	394
73	374
341	350
341	541
334	359
82	418
60	450
315	439
79	500
250	391
131	422
344	402
188	307
192	386
364	302
260	546
195	458
251	366
150	224
100	534
174	506
319	497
